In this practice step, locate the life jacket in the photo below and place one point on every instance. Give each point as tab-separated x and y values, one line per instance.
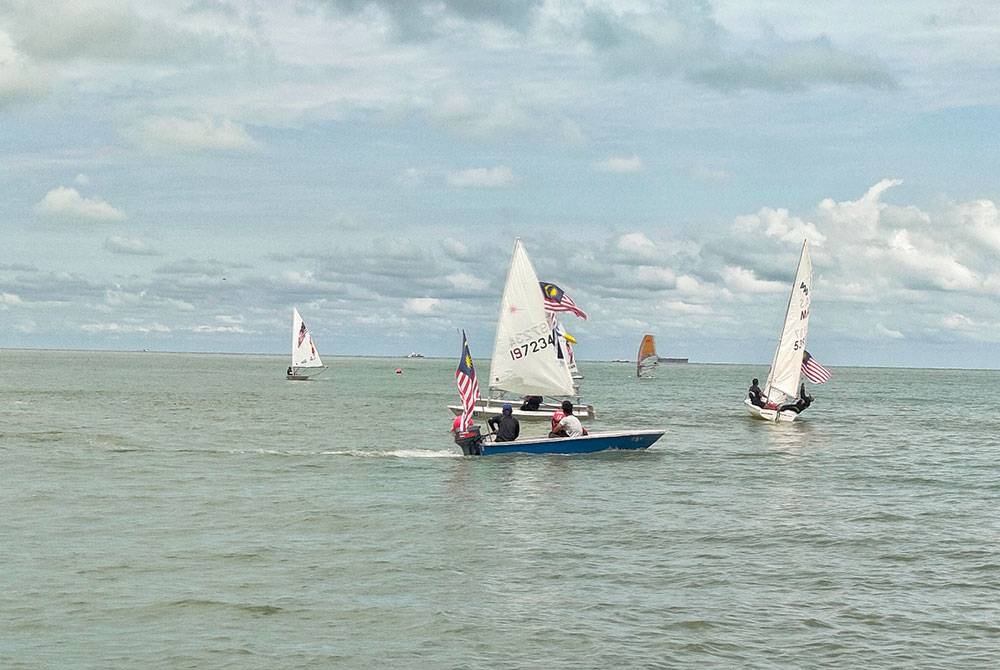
557	416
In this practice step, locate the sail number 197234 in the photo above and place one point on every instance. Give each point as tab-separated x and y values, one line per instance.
531	347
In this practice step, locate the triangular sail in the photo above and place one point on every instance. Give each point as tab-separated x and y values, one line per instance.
525	354
304	353
783	377
647	358
565	342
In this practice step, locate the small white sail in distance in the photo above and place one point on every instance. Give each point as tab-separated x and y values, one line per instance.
786	368
525	356
304	352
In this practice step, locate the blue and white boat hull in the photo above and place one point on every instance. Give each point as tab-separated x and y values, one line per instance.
586	444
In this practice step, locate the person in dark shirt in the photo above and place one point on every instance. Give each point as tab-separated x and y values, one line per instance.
801	403
804	399
506	426
755	394
531	403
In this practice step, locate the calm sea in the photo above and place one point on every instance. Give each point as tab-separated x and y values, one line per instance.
199	511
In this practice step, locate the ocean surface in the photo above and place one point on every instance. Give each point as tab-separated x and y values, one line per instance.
199	511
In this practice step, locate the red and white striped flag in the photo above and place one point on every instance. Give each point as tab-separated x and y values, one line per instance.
557	300
468	385
813	371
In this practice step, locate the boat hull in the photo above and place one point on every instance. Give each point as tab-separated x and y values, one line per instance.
586	444
492	407
772	415
303	374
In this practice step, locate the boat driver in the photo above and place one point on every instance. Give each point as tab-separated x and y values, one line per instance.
506	426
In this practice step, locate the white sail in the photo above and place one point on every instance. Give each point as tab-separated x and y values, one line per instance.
565	342
525	359
304	353
786	368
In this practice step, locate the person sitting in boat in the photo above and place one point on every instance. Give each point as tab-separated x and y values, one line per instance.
804	398
531	403
506	426
755	394
556	431
569	425
801	403
289	371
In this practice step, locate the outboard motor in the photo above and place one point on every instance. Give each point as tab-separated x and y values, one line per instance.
471	441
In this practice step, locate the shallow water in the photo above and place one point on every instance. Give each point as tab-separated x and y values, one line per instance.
192	511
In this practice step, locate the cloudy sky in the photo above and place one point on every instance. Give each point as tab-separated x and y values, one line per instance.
177	175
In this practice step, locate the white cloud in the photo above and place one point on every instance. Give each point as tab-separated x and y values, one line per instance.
888	332
413	176
691	287
929	265
118	298
67	203
173	134
497	177
655	277
10	299
958	322
681	307
467	282
421	306
489	118
299	277
637	245
741	280
858	219
20	79
983	219
456	249
124	328
620	164
780	224
120	244
233	329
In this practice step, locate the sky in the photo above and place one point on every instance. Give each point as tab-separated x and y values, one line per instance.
177	175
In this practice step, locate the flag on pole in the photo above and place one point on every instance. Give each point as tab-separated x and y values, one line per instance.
468	385
815	372
557	300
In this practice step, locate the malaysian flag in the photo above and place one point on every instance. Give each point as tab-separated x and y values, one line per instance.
815	372
468	385
557	300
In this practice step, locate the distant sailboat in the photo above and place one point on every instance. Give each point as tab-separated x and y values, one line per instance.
306	362
782	385
566	342
647	359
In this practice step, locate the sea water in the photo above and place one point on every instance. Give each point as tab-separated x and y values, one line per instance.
200	511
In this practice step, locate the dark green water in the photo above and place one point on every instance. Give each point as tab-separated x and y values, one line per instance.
199	511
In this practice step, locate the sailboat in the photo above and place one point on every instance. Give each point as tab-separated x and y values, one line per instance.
474	443
306	362
526	353
647	359
566	342
782	385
